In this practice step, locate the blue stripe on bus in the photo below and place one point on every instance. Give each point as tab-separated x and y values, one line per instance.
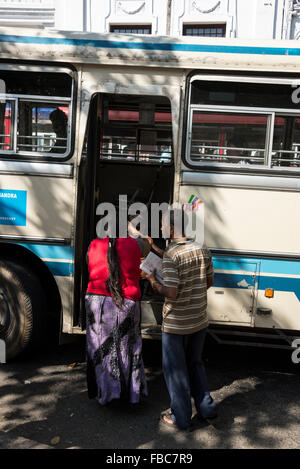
270	266
286	284
60	269
232	280
152	46
50	251
235	264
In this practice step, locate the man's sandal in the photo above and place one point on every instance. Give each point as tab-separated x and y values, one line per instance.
168	415
165	416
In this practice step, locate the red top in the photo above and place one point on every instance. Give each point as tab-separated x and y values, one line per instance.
129	254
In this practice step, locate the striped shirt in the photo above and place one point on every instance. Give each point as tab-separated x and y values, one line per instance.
186	266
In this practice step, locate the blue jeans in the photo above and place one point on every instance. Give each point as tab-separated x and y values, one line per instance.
186	377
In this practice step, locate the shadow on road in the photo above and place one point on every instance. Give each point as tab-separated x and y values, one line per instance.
257	392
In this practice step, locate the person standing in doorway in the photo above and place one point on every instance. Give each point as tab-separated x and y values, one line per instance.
187	273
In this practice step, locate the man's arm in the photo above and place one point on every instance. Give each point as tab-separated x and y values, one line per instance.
134	233
156	249
209	271
210	281
168	292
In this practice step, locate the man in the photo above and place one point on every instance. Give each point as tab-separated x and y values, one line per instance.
188	273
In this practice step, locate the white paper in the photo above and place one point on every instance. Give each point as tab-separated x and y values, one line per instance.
151	262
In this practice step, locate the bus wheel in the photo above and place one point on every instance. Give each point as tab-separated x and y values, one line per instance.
22	309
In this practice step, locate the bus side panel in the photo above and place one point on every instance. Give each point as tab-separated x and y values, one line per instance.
66	285
38	209
248	219
257	222
33	206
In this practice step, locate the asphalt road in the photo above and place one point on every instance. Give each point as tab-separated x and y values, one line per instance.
43	403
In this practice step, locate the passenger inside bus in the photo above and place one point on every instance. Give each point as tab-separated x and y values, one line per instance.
235	152
59	122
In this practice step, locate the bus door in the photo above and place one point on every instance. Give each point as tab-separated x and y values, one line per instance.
232	297
129	153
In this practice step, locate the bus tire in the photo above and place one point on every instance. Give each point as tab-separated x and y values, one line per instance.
22	309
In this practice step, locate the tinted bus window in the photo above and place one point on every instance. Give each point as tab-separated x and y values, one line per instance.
36	83
224	93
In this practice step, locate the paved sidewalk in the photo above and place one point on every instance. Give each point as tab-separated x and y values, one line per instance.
44	403
8	441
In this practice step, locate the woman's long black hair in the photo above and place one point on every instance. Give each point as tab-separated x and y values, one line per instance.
113	282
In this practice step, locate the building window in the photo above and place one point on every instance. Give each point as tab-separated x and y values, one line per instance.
207	30
130	29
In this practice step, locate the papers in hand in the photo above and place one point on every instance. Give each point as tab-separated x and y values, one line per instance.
151	262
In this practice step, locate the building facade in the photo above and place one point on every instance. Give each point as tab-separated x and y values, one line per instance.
244	19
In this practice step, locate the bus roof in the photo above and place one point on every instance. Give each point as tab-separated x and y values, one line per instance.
158	51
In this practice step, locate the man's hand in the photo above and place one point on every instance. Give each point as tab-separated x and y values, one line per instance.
168	292
151	277
133	232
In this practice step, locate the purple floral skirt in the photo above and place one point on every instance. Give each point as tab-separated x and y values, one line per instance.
115	368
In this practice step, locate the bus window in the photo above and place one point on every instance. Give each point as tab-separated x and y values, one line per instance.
136	129
36	83
42	127
35	113
242	94
242	123
228	137
286	142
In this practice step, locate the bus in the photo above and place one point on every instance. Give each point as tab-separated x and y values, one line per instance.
86	117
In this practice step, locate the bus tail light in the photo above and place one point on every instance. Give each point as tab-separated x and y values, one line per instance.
269	292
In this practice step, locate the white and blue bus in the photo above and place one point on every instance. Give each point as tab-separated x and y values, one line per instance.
87	117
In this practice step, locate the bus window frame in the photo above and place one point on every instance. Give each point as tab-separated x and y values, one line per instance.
139	161
232	110
42	67
44	100
12	124
292	81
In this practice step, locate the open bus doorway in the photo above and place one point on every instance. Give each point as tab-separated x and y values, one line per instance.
135	154
129	153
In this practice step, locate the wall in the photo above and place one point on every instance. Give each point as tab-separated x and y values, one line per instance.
245	19
207	11
30	13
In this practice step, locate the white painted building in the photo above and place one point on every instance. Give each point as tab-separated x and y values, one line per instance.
245	19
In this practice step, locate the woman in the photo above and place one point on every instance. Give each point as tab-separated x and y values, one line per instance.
115	367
